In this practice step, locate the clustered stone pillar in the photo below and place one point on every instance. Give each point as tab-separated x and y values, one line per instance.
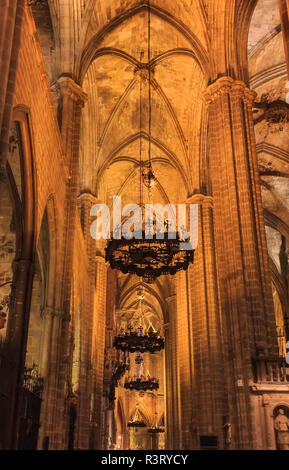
242	260
11	13
269	430
98	346
185	357
16	346
52	421
86	427
173	425
72	100
209	392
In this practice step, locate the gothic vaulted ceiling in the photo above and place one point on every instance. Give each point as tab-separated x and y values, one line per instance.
116	118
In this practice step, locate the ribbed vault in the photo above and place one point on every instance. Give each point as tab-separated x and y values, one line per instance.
115	120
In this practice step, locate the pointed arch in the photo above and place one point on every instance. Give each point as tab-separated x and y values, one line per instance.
244	13
52	240
132	138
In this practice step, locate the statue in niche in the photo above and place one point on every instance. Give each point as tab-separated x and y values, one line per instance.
228	433
281	425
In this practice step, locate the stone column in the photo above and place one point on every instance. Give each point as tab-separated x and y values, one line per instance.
71	103
11	13
16	339
185	357
269	423
72	100
284	15
173	425
98	344
209	393
242	260
109	428
87	373
53	418
126	438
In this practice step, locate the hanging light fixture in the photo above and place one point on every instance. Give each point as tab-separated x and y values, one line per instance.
139	382
156	429
140	335
158	255
148	384
136	421
149	259
133	341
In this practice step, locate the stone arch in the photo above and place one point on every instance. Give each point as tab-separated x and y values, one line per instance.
139	437
127	298
279	288
244	13
283	405
38	306
21	116
45	278
144	413
172	159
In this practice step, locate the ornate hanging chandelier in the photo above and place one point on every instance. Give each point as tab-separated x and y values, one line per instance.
142	384
136	421
149	259
137	424
156	429
153	256
140	335
139	382
137	341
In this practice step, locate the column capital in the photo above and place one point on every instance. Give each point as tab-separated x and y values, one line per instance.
68	87
88	197
201	200
101	260
55	312
171	298
227	85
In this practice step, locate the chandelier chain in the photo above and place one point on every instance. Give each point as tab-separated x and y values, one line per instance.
149	67
140	148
